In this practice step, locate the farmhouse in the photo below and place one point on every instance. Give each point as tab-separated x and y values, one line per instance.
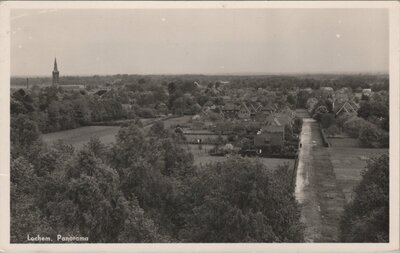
270	136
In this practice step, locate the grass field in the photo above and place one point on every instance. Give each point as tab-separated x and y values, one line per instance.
201	157
80	136
175	121
344	142
348	163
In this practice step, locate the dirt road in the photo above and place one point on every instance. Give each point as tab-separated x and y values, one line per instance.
317	190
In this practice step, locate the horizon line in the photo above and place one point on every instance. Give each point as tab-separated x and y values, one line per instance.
221	74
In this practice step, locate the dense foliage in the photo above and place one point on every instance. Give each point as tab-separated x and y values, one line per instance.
144	188
366	218
242	202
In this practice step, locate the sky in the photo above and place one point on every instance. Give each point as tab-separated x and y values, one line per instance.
199	41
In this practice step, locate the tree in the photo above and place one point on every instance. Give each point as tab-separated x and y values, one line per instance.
366	218
171	88
332	130
26	217
369	136
371	108
241	202
297	125
291	99
24	135
353	125
302	98
327	120
319	111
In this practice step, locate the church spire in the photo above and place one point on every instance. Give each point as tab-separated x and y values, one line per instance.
55	64
55	73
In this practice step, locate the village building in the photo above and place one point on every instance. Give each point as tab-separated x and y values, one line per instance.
230	110
366	94
244	112
279	119
345	107
269	136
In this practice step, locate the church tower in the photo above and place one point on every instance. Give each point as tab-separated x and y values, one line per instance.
55	73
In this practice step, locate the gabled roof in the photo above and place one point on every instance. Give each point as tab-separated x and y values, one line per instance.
255	108
279	119
347	106
272	120
244	106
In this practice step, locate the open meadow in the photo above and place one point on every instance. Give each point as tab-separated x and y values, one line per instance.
344	142
79	136
348	162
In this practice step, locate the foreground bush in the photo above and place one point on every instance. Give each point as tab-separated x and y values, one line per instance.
366	218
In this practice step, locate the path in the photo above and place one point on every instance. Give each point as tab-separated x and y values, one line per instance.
317	192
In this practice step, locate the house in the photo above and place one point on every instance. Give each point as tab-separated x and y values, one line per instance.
244	112
230	110
366	94
262	112
279	119
208	107
270	136
254	108
346	107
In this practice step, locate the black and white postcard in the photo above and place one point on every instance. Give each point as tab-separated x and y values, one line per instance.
199	126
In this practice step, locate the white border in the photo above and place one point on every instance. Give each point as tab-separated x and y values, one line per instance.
5	7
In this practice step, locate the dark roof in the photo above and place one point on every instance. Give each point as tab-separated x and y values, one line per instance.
273	129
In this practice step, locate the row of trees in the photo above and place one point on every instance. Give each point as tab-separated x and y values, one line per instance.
54	109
